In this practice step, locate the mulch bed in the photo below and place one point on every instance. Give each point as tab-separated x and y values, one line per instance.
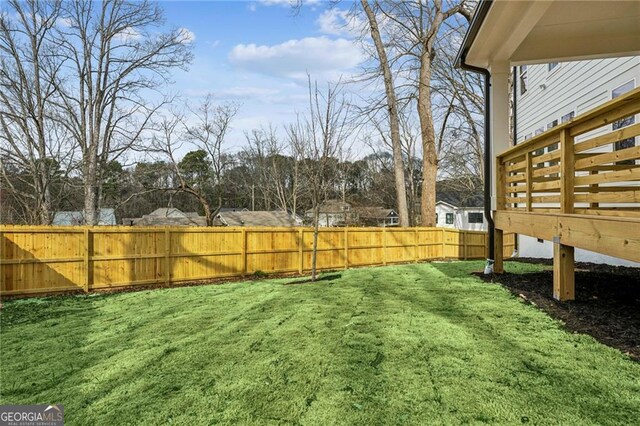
607	304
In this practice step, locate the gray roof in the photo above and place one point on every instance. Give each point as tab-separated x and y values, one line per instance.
257	218
167	216
171	212
375	212
69	218
332	206
233	209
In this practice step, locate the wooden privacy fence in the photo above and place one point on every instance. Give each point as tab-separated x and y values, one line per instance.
58	259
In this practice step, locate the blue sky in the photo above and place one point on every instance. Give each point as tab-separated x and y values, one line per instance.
258	53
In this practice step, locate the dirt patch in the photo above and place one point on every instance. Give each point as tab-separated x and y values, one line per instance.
607	304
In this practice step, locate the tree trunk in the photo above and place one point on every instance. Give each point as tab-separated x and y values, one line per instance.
429	152
394	124
90	203
314	253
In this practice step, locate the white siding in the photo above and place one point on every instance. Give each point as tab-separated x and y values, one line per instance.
531	247
460	218
464	214
572	86
441	212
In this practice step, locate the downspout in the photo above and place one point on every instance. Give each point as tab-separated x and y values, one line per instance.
487	157
478	18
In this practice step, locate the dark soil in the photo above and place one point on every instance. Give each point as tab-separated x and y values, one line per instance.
607	304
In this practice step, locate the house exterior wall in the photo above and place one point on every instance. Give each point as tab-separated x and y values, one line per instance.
460	218
468	226
570	87
331	219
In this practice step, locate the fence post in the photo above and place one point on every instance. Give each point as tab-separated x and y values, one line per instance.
88	248
167	257
384	246
346	248
416	235
443	244
301	251
243	234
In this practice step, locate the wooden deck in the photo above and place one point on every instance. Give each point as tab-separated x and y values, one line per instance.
577	185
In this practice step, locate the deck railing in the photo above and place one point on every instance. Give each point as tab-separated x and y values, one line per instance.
588	165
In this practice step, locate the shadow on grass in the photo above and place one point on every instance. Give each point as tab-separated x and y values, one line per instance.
385	346
322	278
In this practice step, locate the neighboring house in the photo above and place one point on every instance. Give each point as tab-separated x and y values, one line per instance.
463	218
333	213
233	209
275	218
72	218
167	216
376	216
550	94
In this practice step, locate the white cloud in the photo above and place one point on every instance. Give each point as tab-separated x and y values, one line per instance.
128	34
321	57
186	35
338	22
244	92
64	22
289	3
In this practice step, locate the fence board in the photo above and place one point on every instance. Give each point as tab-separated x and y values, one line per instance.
39	259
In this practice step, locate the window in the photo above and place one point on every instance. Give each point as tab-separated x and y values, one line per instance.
535	154
568	117
475	217
628	121
523	79
538	131
449	219
551	125
436	218
551	148
552	65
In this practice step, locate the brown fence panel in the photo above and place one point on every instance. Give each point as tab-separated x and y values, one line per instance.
40	259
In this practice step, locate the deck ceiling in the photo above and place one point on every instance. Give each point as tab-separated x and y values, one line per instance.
527	32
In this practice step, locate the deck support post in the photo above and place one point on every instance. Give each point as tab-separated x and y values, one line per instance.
563	272
563	255
498	265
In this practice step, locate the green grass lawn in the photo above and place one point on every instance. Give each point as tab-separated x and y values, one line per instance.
412	344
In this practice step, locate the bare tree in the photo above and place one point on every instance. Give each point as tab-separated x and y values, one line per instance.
409	145
112	54
319	139
168	140
277	174
35	149
392	111
200	173
413	31
207	130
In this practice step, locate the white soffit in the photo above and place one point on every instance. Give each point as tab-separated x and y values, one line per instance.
521	32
